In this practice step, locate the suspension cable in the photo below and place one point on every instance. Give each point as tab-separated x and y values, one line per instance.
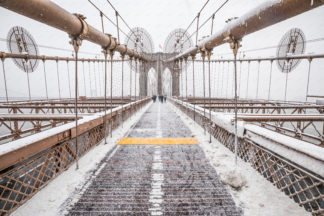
193	82
45	79
227	78
84	82
286	85
135	80
258	77
95	78
130	79
99	77
105	52
269	89
67	65
222	86
58	79
240	82
111	89
122	92
4	78
28	82
308	77
247	81
209	53
90	78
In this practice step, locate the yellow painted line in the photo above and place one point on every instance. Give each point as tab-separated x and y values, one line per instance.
157	141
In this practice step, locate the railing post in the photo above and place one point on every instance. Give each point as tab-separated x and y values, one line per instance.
76	41
235	45
193	57
209	54
105	52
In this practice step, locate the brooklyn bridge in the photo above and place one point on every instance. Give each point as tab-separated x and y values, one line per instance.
211	107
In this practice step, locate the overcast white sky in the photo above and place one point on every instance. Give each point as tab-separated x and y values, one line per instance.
159	18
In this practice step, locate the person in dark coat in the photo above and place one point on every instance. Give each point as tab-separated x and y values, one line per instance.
154	98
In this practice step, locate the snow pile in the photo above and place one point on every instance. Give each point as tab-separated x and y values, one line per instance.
305	154
257	196
64	189
234	178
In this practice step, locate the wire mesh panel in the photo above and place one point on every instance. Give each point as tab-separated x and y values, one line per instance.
21	181
301	185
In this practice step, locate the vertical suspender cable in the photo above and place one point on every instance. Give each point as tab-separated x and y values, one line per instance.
193	83
186	62
240	82
208	56
76	43
222	80
122	92
286	86
247	81
236	46
130	80
4	78
105	52
95	77
181	79
45	79
258	78
227	78
90	78
58	79
99	77
76	106
203	55
135	80
111	89
269	89
217	77
84	82
308	77
28	82
67	65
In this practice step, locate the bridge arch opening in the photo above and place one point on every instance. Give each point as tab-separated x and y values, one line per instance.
152	82
167	82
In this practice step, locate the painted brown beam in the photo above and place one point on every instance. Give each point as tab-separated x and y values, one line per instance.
267	14
49	13
32	106
266	107
38	117
281	118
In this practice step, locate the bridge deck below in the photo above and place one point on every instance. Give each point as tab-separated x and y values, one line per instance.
156	179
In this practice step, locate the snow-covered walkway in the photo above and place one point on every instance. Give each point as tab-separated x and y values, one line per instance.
179	179
157	179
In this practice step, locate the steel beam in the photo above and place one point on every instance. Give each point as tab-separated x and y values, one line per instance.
267	14
53	15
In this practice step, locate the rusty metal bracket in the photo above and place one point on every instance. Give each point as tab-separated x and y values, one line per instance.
76	40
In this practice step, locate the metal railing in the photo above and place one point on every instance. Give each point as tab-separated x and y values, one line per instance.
25	171
302	185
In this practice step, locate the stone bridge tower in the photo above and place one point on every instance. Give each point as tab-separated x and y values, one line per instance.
159	65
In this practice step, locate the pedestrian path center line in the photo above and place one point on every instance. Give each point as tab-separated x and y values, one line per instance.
157	141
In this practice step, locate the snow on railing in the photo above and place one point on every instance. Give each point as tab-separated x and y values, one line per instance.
298	151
